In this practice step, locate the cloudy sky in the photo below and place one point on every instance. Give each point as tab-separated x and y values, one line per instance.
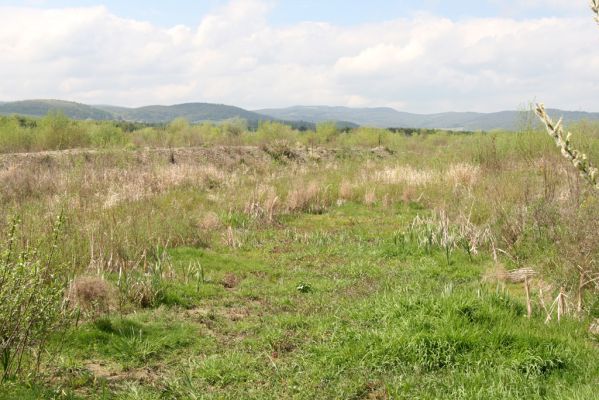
418	56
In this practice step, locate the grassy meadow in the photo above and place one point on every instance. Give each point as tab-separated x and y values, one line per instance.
214	262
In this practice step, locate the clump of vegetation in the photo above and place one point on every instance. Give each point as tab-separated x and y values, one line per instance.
32	302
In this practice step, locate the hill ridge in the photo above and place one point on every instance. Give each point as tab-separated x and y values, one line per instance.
302	117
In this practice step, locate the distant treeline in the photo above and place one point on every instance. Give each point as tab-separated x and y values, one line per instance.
55	131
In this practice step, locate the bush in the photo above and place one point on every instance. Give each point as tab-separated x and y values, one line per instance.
13	137
58	132
326	132
32	305
107	135
275	133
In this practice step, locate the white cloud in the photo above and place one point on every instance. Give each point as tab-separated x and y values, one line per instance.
234	56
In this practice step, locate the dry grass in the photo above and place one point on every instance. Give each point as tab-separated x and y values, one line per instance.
370	197
306	198
209	222
463	175
230	281
346	190
91	294
231	239
123	204
404	175
263	204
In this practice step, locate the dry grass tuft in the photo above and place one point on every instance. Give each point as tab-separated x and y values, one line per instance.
91	294
346	190
517	275
463	175
143	293
263	204
404	174
370	197
230	238
231	281
210	221
305	199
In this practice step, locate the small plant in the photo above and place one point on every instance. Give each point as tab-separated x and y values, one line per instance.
131	344
304	288
195	271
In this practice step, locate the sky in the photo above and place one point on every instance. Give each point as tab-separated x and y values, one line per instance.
420	56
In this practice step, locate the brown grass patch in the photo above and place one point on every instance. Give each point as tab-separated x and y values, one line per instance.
231	281
305	199
91	294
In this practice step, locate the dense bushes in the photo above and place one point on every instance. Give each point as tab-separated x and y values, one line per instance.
57	132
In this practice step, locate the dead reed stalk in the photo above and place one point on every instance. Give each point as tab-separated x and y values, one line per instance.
561	304
528	303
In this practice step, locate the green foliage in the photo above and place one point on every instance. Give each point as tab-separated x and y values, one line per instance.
368	137
105	135
234	128
13	136
326	132
274	132
32	305
57	132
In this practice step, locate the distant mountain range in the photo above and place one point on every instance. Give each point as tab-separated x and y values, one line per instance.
390	118
194	112
299	116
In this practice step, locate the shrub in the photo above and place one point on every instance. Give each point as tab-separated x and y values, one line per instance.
326	132
32	304
275	132
107	135
13	137
58	132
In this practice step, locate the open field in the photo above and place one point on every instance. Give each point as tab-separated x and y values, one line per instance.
283	264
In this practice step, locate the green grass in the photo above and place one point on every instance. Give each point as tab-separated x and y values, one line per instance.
381	319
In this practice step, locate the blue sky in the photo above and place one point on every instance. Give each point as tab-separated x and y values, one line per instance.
419	56
342	12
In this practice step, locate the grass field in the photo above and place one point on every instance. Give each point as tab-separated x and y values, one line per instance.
286	270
